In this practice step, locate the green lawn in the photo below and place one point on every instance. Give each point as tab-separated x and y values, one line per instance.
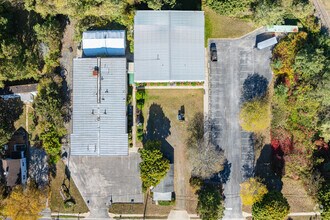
219	26
56	201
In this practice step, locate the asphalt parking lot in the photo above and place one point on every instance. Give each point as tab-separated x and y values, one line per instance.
237	59
105	180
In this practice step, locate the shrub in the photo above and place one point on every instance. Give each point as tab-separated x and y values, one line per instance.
252	191
154	166
255	115
273	206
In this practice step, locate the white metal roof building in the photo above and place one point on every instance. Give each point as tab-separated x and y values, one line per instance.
99	123
102	43
169	46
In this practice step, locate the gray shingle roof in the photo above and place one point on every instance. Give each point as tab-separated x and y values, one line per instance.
99	128
169	46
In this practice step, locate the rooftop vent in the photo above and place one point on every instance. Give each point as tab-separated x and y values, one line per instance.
96	71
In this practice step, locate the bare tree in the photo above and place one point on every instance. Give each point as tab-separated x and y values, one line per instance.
205	158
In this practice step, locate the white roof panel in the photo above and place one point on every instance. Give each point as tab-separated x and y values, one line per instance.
99	128
169	46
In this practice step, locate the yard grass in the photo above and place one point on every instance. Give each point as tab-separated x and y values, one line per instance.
151	209
297	196
219	26
56	201
160	112
21	121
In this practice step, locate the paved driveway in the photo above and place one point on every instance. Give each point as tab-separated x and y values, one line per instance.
101	180
236	60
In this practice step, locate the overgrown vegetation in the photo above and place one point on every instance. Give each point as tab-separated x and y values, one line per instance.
273	206
24	203
300	107
10	110
264	12
29	43
154	166
140	97
210	204
49	113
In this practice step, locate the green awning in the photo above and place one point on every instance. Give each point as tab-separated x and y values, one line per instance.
131	78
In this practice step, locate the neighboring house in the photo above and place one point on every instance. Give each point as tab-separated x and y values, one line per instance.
164	190
99	121
104	43
26	93
15	171
169	46
14	162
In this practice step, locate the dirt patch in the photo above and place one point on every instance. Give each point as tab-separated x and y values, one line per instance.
56	201
162	106
297	196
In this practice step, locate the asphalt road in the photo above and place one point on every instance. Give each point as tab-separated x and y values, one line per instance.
236	60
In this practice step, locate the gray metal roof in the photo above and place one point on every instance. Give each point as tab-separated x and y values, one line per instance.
169	46
99	121
167	184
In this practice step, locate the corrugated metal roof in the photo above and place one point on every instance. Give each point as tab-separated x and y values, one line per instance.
104	43
167	184
99	128
169	46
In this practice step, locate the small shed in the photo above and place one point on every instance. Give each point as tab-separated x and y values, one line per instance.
267	43
163	191
104	43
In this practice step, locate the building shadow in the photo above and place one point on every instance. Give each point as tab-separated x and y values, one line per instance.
268	163
158	128
191	5
254	86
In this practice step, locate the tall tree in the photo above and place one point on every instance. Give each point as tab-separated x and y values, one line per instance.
154	166
24	204
10	111
252	191
210	204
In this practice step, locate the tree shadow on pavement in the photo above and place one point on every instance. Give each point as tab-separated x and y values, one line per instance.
254	86
158	128
223	176
266	171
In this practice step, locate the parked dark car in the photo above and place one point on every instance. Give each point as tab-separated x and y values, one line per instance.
213	52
